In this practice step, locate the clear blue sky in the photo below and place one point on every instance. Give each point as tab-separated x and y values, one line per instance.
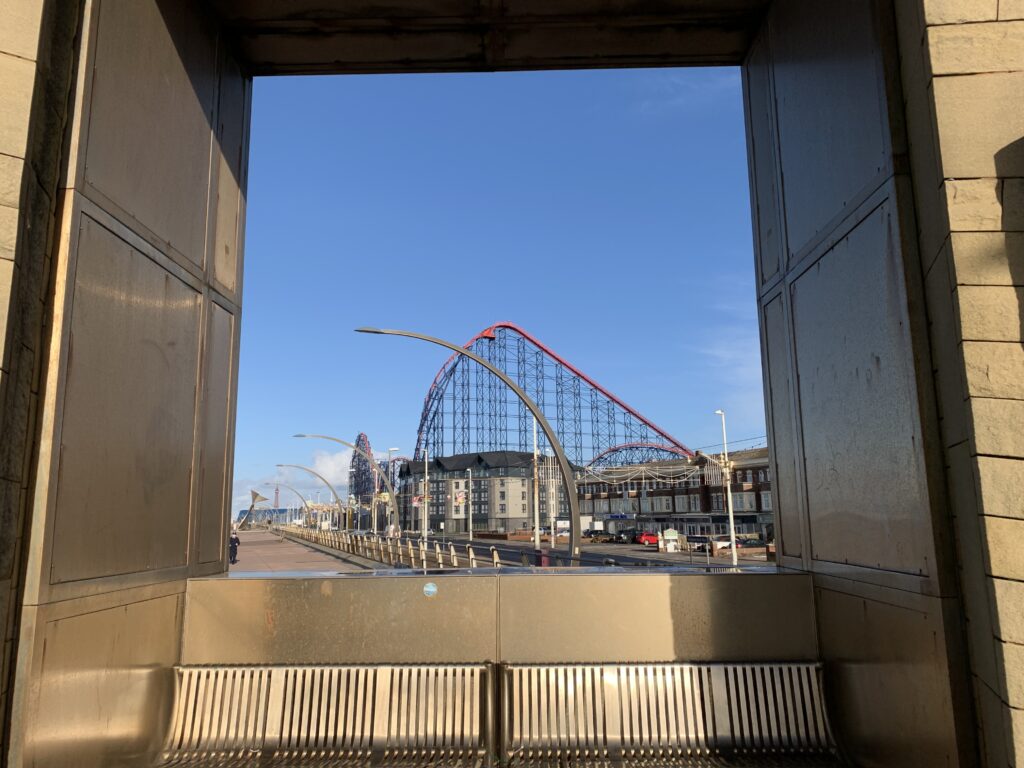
607	212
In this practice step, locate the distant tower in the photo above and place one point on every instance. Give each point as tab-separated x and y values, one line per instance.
277	497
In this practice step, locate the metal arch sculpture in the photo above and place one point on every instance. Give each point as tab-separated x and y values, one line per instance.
467	409
379	470
636	453
362	477
566	469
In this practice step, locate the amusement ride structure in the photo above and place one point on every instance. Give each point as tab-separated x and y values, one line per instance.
468	409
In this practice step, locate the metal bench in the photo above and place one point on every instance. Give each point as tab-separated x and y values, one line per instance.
665	714
474	715
331	715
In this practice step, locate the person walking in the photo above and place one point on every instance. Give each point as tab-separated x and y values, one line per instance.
233	543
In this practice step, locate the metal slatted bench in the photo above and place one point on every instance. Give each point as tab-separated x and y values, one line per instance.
331	715
607	715
665	714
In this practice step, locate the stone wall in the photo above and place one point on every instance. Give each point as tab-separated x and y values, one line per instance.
963	79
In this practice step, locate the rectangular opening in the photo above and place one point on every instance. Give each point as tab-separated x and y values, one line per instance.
587	231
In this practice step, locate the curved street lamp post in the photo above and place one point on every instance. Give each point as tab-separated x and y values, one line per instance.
563	463
314	473
373	465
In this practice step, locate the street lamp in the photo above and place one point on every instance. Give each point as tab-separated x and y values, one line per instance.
373	466
727	479
314	473
563	463
394	518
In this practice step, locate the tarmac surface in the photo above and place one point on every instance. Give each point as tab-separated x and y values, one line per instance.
261	551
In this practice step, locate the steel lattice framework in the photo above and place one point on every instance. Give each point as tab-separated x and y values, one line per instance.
468	408
362	480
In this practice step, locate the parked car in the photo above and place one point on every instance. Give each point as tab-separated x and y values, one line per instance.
646	538
625	536
602	537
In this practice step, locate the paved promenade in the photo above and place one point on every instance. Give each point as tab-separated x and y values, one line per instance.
262	551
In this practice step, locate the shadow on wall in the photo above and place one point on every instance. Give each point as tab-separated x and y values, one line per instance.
193	29
1001	271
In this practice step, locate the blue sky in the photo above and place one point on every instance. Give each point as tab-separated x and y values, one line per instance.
606	212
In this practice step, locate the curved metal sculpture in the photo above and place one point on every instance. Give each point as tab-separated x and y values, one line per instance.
636	453
392	497
324	480
467	409
568	478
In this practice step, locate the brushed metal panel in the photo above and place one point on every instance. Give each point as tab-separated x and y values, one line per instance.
106	686
865	473
888	673
230	152
762	147
355	620
214	494
124	478
831	109
789	530
151	116
601	618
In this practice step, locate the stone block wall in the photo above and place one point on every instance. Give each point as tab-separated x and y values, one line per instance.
963	79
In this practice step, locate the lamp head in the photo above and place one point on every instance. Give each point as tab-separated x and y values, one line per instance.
720	412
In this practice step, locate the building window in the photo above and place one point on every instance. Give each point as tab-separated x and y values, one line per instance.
456	485
716	502
501	483
501	495
501	508
766	500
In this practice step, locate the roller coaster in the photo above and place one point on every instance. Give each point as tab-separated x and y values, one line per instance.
468	409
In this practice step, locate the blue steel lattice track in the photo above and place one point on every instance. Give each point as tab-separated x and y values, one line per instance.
468	409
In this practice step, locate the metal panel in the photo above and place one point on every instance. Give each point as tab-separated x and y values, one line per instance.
127	435
888	671
831	110
105	687
230	160
785	448
762	148
151	117
654	617
858	406
214	494
341	620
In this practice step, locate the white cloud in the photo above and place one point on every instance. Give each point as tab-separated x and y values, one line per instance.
665	91
333	466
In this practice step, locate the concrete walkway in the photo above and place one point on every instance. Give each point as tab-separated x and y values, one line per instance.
262	551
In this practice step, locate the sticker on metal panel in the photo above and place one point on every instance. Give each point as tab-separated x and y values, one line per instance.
430	589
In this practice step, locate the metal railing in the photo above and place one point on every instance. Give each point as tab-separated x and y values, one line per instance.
407	552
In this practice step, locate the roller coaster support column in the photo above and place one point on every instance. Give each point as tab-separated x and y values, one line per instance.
575	532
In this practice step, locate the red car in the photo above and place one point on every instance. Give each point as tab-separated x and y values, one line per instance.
646	538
